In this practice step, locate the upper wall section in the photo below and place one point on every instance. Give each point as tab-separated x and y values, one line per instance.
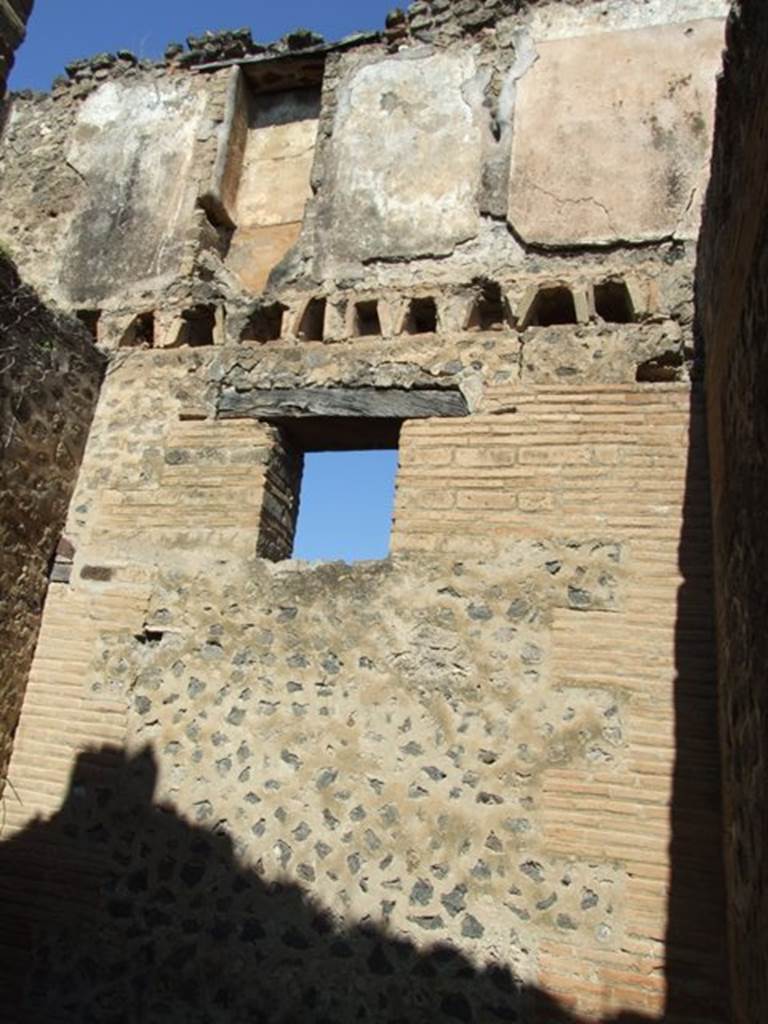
140	191
554	126
407	156
609	135
447	149
98	184
612	135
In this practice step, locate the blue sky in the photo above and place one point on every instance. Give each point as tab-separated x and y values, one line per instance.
61	31
346	505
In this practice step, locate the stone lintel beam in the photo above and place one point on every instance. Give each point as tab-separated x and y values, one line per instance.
370	402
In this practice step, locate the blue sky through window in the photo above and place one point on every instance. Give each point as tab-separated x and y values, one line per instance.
61	31
345	511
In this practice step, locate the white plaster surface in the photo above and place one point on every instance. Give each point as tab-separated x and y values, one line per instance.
408	138
557	20
612	135
134	146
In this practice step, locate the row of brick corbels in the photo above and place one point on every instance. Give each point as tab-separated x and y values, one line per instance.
488	306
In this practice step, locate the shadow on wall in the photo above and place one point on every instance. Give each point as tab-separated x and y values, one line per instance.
696	952
120	911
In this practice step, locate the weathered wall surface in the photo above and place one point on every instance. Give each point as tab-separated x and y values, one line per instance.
463	121
471	744
651	122
416	194
107	144
273	187
125	172
543	81
13	20
435	21
478	780
49	382
733	313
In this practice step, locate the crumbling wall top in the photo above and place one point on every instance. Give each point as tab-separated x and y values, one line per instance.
432	22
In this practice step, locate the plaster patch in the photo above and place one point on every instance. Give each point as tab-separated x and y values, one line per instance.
644	101
408	141
126	171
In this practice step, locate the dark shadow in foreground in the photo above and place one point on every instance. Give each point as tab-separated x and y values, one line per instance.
117	911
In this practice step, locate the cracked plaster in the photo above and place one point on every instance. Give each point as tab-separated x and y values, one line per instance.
643	101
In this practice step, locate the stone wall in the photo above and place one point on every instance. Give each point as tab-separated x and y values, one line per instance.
476	146
445	21
468	747
49	383
733	315
13	20
462	117
90	183
477	780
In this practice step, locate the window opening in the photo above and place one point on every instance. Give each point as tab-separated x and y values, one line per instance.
198	326
336	476
552	306
264	324
346	503
489	311
90	319
662	369
613	303
367	323
140	332
421	317
312	326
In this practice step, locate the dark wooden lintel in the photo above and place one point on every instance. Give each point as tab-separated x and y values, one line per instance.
279	404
